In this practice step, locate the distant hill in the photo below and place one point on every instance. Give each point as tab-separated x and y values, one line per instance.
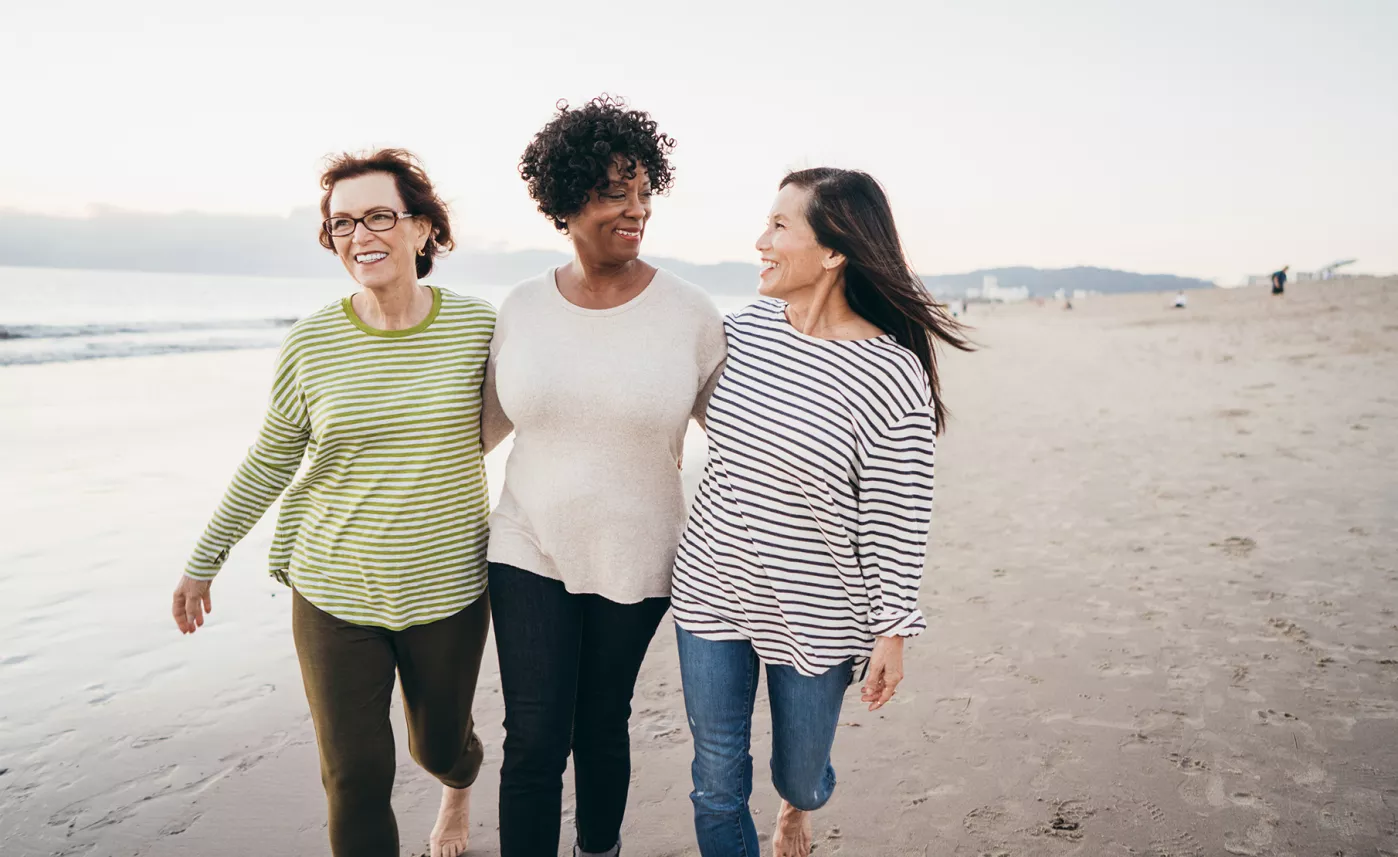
1044	282
285	247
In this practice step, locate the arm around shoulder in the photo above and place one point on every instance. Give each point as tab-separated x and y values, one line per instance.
712	354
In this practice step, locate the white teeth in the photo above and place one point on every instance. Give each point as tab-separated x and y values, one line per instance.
370	257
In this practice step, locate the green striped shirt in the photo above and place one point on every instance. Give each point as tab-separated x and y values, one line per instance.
388	524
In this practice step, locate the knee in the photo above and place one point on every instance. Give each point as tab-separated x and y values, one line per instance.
438	760
603	731
358	780
721	780
804	790
539	751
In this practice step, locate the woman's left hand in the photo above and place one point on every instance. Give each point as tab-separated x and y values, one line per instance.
885	672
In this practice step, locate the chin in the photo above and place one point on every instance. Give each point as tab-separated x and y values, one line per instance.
772	289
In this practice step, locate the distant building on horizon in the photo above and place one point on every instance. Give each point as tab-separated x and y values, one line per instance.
990	290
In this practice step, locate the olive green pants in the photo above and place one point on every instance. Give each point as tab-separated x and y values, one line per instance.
349	671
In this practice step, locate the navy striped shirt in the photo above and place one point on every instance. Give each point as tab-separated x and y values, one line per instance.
809	532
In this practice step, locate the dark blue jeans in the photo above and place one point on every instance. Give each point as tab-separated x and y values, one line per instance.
720	688
568	666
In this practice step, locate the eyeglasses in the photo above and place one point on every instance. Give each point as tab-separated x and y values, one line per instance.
380	220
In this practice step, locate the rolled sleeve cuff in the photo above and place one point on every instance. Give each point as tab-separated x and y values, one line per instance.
899	625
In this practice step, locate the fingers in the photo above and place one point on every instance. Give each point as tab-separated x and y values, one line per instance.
193	613
873	681
890	685
880	685
188	609
177	610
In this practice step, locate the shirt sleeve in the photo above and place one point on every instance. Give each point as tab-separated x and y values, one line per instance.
895	518
269	467
495	424
712	356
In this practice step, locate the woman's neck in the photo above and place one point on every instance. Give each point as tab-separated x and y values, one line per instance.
601	277
396	307
823	311
601	285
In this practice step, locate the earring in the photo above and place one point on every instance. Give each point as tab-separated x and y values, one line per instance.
422	251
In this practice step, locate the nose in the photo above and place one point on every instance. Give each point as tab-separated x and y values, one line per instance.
636	208
360	233
764	241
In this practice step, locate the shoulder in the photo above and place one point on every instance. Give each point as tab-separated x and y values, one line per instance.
898	374
328	321
761	311
691	301
528	292
470	305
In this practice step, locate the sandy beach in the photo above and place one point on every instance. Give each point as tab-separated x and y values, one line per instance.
1162	600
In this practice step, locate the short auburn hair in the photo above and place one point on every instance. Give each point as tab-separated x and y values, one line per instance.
419	196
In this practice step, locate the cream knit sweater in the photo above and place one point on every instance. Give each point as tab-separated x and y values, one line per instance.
599	401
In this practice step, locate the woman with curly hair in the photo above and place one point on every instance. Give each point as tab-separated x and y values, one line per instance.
383	538
597	366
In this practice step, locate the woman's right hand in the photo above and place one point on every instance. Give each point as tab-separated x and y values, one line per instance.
191	603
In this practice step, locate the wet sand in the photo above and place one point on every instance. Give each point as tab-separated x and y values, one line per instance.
1162	597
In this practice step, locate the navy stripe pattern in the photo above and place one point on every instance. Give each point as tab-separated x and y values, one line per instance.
808	536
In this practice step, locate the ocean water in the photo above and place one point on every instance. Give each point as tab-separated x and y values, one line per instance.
52	315
112	725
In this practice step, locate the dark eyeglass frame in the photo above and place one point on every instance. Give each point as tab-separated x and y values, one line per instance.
355	221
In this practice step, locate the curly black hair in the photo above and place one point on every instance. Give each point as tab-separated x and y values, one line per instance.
569	157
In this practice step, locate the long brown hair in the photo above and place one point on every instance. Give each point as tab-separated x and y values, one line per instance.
850	214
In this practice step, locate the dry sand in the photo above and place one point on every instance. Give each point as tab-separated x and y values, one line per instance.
1161	598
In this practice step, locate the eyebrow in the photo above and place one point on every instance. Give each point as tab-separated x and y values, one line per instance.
366	211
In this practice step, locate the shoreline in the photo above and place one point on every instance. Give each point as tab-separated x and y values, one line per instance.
1161	603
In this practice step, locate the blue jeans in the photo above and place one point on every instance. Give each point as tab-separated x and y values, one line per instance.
720	687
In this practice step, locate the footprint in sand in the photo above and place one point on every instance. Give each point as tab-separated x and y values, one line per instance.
985	821
1069	818
1177	844
1271	716
1235	546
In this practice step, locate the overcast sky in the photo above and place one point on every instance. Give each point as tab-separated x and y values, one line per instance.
1211	138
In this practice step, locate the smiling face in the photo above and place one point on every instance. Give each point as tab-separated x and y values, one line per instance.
792	258
612	222
377	259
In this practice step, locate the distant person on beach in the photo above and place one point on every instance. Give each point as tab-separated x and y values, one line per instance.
805	546
597	366
1279	280
1180	300
383	539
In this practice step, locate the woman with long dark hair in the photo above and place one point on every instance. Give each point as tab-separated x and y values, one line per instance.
805	547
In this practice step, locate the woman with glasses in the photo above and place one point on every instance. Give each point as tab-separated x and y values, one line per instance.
598	366
383	537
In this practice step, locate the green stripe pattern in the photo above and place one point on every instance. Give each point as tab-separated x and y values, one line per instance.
387	525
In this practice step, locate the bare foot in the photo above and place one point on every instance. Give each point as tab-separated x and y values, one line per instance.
452	833
792	838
